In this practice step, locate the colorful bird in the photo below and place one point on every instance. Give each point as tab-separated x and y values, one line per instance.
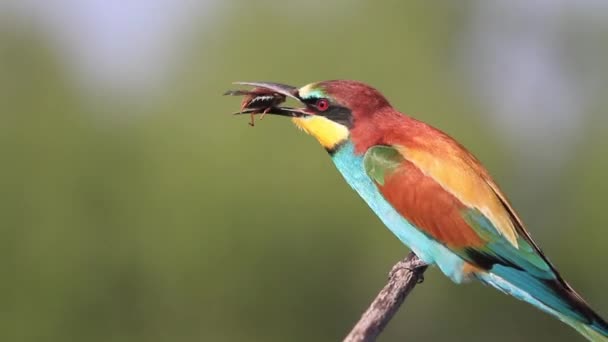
434	195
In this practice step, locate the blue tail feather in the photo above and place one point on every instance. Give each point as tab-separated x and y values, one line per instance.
550	295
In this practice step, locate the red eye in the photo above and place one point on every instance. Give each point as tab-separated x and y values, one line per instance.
322	105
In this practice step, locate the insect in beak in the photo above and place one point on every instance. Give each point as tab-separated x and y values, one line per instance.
258	100
265	98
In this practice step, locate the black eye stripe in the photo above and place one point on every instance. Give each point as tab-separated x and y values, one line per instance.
334	112
339	114
310	100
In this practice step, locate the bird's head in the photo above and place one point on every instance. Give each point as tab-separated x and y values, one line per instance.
331	109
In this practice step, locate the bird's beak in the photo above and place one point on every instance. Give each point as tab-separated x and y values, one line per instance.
283	89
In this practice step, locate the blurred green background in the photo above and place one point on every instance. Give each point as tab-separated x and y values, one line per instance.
134	207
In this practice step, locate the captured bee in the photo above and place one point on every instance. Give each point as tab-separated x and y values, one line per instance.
258	100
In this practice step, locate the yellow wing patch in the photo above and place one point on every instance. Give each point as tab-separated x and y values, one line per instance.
457	173
327	132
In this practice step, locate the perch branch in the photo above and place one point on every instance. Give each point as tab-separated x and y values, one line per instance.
402	279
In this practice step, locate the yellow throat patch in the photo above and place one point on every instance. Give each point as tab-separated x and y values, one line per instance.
327	132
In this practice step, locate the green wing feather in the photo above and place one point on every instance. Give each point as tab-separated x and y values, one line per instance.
380	161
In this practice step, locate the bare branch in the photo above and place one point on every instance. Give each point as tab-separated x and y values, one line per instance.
402	279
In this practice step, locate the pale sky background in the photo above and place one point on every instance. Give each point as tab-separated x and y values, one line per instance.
512	54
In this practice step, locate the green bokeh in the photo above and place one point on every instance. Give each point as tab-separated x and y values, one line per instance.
179	222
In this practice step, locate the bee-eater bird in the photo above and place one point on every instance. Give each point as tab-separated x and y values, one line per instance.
434	195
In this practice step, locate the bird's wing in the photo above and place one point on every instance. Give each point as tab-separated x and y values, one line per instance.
448	195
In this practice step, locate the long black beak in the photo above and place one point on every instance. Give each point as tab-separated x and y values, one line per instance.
279	88
281	111
284	89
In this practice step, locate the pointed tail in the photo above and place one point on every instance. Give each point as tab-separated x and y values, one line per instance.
553	296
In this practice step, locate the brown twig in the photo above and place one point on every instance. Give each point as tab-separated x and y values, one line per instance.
402	279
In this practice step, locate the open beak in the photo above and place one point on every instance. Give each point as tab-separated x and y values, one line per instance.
279	88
